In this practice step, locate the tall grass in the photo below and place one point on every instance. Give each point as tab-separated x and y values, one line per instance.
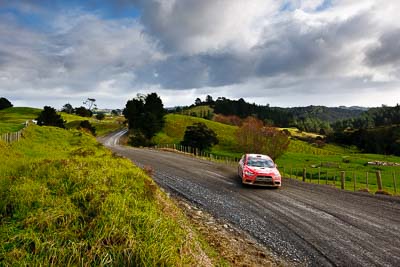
66	200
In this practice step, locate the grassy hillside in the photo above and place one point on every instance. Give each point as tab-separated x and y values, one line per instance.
330	158
13	119
175	126
109	124
66	200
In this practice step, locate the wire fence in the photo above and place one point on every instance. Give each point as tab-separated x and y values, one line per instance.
384	182
381	182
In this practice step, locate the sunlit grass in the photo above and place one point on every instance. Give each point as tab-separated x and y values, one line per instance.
66	200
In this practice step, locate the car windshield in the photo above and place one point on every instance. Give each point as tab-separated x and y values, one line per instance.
259	162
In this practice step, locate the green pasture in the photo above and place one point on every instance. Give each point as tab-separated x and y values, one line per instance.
65	200
13	119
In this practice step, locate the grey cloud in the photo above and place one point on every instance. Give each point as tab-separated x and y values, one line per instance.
387	52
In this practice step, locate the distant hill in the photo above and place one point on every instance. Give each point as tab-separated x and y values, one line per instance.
317	119
328	114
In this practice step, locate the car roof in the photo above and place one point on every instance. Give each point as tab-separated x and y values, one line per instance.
258	156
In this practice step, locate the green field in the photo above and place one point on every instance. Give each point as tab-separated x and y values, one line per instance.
331	159
13	119
66	200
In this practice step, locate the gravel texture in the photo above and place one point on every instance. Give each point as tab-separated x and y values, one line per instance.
307	224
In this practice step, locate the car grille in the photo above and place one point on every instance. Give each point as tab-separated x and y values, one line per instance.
264	180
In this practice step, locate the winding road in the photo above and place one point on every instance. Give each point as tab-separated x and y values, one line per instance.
315	225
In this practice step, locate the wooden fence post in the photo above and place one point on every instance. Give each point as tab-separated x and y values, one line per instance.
342	180
326	177
379	180
319	174
366	180
394	182
304	174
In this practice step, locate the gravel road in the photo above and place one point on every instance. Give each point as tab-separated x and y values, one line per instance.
315	225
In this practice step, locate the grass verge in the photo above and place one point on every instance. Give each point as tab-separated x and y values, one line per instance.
66	200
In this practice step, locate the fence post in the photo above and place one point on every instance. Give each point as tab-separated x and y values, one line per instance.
326	177
304	174
366	180
394	182
319	174
342	180
379	180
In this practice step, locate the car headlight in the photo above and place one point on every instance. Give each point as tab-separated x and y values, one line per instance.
248	173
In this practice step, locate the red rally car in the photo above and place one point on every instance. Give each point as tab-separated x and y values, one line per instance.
256	169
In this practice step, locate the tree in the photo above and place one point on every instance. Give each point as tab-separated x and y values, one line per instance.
254	137
199	136
87	126
90	103
67	108
197	102
100	116
4	103
145	115
115	112
209	100
49	117
83	112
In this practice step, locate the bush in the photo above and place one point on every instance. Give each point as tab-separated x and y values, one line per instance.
83	112
49	117
199	136
4	103
87	126
100	116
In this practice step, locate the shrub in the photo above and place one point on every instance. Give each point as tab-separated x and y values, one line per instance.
87	126
199	136
49	117
4	103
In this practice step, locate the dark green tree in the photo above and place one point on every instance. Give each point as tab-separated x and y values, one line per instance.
100	116
145	115
197	102
67	108
199	136
4	103
49	117
83	112
87	126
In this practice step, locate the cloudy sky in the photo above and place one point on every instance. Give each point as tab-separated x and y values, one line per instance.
280	52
